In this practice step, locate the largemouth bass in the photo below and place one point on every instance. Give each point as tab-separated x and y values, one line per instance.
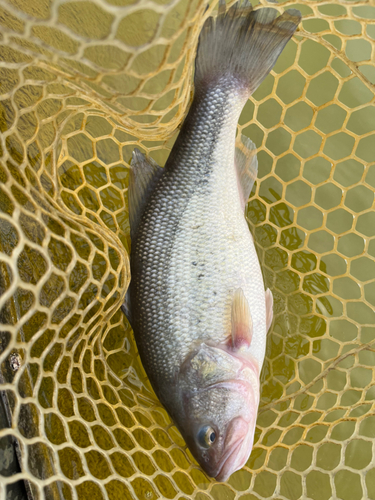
196	301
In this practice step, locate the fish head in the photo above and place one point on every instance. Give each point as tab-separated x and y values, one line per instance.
219	404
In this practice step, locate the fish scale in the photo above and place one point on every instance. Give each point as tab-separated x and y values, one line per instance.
197	305
190	218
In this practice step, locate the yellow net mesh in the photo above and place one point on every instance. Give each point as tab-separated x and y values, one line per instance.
81	84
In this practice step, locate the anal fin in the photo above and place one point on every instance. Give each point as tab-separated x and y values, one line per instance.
247	167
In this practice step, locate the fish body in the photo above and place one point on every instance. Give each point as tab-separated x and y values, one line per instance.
199	310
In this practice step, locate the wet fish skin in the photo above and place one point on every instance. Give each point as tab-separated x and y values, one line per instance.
192	251
193	257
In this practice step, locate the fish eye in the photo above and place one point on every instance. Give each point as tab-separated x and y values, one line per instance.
206	436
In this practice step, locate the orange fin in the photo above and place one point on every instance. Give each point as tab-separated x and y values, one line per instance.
269	308
242	324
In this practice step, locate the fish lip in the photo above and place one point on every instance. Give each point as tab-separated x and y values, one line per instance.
224	461
238	451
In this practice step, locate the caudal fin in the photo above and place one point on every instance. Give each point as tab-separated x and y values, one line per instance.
243	44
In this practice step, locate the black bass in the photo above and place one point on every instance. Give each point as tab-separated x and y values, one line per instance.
196	301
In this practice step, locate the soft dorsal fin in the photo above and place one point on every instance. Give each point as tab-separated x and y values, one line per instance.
126	307
269	308
242	324
144	174
247	167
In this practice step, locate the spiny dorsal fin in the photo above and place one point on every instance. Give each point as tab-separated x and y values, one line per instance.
269	308
242	324
247	167
144	174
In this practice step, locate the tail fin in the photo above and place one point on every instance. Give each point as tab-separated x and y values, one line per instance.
243	44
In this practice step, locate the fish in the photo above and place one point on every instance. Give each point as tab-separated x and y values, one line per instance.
196	300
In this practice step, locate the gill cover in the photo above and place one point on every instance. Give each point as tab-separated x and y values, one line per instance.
207	366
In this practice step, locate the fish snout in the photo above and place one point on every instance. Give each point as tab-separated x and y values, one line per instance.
237	446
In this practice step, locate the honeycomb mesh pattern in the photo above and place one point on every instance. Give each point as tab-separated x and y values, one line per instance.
81	84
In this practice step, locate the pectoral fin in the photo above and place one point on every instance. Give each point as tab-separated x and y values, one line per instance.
242	324
144	174
247	167
269	308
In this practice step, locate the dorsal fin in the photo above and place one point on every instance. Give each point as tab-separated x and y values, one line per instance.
242	324
144	174
247	167
126	309
269	308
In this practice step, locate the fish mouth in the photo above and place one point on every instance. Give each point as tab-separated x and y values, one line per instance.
238	454
223	473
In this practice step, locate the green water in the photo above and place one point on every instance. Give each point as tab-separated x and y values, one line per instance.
311	214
